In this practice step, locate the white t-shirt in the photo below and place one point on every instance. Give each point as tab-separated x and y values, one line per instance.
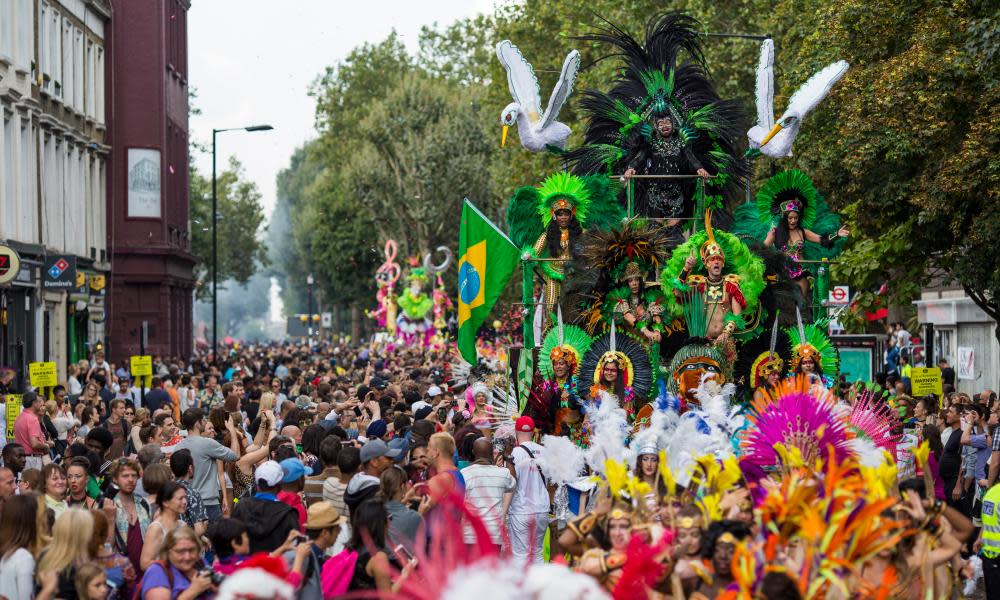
485	486
17	576
531	496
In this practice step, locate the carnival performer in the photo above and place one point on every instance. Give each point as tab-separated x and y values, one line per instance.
554	402
661	118
766	370
414	326
477	400
813	354
640	308
721	540
619	370
547	222
791	215
726	279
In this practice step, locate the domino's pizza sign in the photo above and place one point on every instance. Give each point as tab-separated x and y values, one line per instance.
60	273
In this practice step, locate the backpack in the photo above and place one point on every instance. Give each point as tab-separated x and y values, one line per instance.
338	571
311	588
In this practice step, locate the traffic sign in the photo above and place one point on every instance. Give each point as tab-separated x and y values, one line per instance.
840	295
42	374
10	264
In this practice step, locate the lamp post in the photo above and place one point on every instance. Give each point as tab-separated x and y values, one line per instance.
215	238
310	281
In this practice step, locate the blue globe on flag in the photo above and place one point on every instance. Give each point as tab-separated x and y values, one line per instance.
469	283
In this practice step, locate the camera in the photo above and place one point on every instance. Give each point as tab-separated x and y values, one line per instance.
216	577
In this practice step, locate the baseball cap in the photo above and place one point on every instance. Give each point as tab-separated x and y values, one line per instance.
292	470
379	384
418	405
524	424
433	391
304	402
400	444
377	429
322	514
422	413
376	448
270	472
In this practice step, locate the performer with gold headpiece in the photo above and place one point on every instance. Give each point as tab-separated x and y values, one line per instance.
767	368
554	402
813	354
725	274
618	368
547	221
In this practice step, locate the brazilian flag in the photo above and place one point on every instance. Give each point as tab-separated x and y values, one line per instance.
487	260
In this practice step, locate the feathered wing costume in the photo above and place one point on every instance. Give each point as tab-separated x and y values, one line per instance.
625	124
766	221
533	224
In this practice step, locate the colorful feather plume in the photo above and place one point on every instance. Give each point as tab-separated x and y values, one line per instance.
793	416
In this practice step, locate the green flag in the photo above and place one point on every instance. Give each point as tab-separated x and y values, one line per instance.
487	259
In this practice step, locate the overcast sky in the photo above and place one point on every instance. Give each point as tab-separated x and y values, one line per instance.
252	61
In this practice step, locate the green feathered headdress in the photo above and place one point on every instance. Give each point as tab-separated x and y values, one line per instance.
563	191
574	339
593	200
417	274
812	341
791	186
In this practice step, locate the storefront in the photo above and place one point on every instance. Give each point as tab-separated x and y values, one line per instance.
19	328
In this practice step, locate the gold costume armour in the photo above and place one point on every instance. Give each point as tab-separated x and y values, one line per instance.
553	287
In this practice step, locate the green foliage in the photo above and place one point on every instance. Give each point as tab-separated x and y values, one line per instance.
241	251
904	147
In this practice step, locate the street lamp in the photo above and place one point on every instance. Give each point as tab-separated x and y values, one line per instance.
310	281
215	238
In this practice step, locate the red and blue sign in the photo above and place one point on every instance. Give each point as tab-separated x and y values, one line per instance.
60	273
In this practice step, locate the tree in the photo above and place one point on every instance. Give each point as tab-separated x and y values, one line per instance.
241	251
908	143
421	152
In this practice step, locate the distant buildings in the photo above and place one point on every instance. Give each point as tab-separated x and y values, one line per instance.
152	265
93	178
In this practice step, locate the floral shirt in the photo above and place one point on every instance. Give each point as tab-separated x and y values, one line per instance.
195	512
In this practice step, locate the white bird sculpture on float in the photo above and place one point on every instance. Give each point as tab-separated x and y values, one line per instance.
775	139
536	129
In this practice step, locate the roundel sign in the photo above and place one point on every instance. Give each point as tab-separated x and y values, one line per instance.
10	264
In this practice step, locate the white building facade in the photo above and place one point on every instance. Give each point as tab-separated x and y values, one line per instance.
964	335
53	175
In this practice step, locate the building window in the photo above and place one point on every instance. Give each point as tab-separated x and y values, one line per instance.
66	67
78	73
29	191
100	85
90	70
25	34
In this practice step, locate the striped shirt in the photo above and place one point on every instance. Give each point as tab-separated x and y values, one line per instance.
485	486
